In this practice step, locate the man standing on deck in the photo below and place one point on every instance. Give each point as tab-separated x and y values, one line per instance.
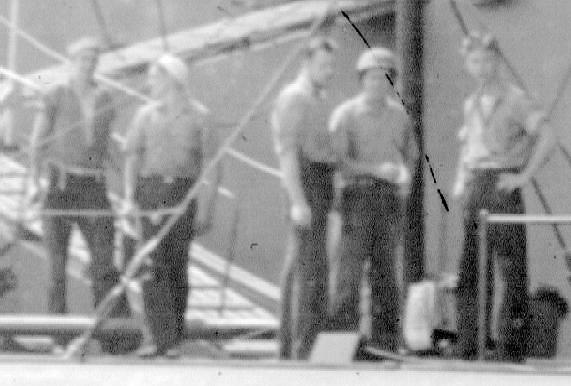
170	142
373	142
505	139
70	145
306	160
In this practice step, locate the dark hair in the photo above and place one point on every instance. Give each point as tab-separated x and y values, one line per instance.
319	44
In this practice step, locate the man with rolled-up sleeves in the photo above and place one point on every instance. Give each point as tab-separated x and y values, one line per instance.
70	145
306	158
167	148
373	143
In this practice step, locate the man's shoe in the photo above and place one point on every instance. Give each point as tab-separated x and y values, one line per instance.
148	352
173	353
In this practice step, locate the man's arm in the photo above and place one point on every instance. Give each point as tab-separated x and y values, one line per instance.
43	125
207	204
287	121
534	123
544	145
134	148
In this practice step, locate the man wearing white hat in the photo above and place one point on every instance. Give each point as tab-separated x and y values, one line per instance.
168	144
372	139
70	144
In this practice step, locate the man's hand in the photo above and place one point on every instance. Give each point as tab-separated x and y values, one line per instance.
508	182
35	191
300	214
388	171
129	207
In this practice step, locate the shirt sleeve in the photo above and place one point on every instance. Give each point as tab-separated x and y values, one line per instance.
210	140
339	127
528	114
135	139
287	119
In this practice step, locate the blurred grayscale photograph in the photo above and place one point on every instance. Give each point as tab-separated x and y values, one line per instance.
285	192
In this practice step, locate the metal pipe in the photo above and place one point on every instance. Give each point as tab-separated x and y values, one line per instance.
410	25
529	219
13	36
482	283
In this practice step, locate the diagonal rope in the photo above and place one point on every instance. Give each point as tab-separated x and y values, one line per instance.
102	23
102	311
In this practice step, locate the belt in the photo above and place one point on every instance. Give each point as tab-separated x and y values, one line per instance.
164	179
480	170
368	182
65	171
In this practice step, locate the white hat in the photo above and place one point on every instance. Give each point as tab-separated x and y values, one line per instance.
175	67
377	57
87	43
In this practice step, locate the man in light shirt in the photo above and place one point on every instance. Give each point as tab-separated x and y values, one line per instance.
374	149
504	141
306	160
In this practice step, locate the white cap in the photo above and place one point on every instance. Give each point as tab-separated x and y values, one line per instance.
84	44
175	67
377	57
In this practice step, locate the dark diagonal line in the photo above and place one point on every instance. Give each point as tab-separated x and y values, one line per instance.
355	28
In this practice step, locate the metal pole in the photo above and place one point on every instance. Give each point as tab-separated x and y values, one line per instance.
409	44
13	36
482	283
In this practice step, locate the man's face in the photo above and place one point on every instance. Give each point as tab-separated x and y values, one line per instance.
375	82
321	68
85	63
482	64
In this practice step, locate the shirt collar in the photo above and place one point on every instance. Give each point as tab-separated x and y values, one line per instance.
310	88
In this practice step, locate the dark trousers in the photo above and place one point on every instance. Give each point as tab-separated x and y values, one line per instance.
507	248
304	281
80	192
166	290
370	213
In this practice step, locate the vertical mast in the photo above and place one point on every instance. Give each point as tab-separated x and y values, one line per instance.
410	45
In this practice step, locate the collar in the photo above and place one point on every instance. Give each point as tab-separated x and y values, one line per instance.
309	87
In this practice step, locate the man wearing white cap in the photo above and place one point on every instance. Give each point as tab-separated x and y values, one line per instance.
70	144
168	144
372	139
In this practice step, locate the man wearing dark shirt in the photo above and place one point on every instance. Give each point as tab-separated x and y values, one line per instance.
70	144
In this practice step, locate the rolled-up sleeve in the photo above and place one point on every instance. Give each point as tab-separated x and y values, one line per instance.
286	121
529	114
